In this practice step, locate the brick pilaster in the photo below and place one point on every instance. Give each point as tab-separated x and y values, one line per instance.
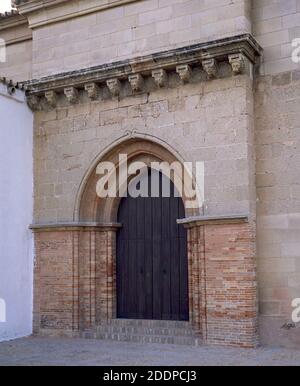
223	286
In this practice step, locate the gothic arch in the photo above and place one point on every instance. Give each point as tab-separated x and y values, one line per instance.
91	209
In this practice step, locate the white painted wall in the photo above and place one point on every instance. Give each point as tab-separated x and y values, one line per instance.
16	207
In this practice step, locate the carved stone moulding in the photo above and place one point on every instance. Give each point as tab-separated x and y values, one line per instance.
114	86
160	77
71	94
240	52
185	72
51	98
34	102
92	90
237	62
210	67
136	81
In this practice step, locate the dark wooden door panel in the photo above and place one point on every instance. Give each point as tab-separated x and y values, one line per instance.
152	268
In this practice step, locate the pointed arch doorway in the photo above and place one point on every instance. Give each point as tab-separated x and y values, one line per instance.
152	262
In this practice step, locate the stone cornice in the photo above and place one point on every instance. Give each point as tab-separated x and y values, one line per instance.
8	14
192	222
18	40
11	85
238	51
67	11
13	21
78	226
28	6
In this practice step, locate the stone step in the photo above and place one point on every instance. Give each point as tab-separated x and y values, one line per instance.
140	338
141	330
145	331
147	323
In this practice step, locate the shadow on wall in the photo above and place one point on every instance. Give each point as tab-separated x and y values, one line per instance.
2	311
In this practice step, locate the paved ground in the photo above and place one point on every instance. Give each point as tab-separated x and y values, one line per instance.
68	352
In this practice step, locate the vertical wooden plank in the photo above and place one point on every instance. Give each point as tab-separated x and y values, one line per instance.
175	257
140	240
152	265
157	267
148	259
166	260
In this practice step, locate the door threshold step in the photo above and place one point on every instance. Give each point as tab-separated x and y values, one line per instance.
147	323
145	331
140	330
136	338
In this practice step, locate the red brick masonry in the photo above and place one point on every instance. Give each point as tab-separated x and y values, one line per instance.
223	286
75	280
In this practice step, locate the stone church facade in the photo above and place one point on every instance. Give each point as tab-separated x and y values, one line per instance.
168	81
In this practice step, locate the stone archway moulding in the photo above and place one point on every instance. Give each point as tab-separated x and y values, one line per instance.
89	208
114	148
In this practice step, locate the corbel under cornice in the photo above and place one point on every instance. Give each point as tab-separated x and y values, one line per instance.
243	48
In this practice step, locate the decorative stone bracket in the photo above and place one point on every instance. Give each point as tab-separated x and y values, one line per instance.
71	94
210	67
51	98
92	90
114	86
136	81
240	52
237	62
185	72
160	77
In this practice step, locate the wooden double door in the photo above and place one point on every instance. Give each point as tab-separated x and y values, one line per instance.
152	264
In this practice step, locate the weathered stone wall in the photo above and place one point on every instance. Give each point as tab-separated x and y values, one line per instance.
275	24
206	121
19	61
131	30
202	121
209	121
277	106
18	40
278	208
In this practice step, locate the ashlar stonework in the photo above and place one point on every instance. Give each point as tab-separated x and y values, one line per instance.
186	81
